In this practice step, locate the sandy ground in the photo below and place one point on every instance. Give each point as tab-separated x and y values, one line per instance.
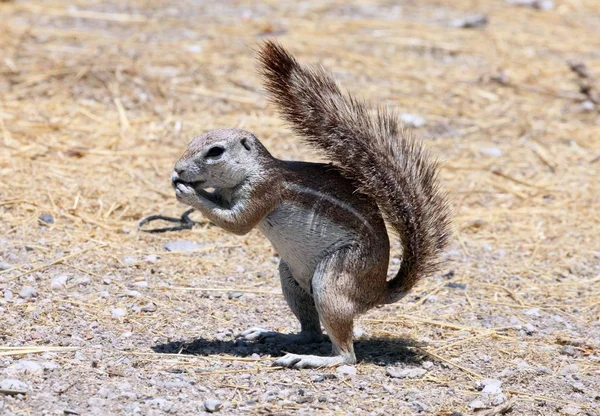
96	104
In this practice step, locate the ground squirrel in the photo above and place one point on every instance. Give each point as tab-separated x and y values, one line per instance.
326	221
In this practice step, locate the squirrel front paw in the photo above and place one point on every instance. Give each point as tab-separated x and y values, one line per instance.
186	194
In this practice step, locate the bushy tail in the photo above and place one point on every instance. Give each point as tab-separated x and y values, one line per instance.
370	149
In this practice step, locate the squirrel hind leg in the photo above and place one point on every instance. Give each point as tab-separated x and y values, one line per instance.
332	292
302	305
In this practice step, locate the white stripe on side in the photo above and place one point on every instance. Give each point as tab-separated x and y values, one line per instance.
305	190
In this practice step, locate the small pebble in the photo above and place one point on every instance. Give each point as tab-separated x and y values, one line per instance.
406	373
454	285
568	350
358	332
4	266
150	307
118	312
588	105
418	407
50	365
59	282
532	312
569	369
8	294
534	4
181	245
412	120
470	22
431	299
150	258
96	402
388	388
163	404
133	294
28	292
235	295
491	386
578	387
317	379
212	405
571	410
491	151
477	404
427	365
521	364
25	367
12	384
82	281
529	329
543	370
46	218
129	260
346	370
322	399
304	399
498	399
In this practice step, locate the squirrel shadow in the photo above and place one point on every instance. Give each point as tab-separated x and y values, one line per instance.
378	351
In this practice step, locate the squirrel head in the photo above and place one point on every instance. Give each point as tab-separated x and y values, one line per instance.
219	159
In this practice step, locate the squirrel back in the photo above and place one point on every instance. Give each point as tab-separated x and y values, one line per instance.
371	150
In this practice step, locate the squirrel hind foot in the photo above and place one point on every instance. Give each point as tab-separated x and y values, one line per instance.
313	361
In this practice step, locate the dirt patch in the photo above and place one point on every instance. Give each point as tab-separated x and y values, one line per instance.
97	103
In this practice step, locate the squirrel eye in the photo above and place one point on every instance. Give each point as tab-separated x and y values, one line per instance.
215	151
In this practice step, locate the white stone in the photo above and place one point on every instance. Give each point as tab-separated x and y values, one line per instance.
59	282
12	384
358	332
347	370
406	373
28	292
412	120
569	369
118	312
491	151
181	245
477	404
212	405
25	367
491	385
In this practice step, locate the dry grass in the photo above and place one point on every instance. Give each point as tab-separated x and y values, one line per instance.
98	101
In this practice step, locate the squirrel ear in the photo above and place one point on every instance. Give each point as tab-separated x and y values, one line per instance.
246	144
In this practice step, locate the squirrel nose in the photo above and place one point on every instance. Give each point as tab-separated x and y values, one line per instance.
175	177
